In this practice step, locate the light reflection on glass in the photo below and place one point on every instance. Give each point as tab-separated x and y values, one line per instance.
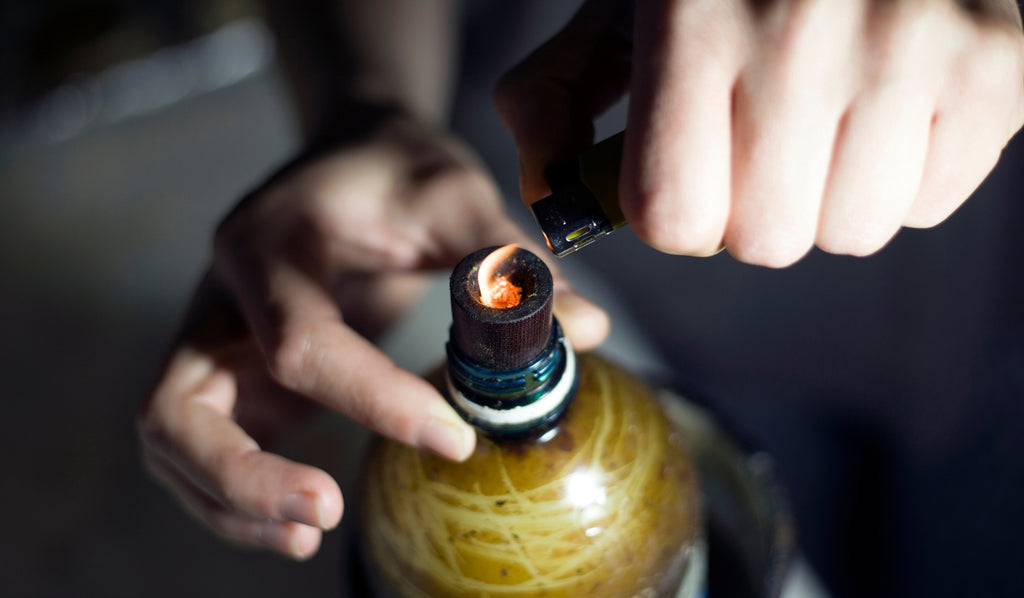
584	488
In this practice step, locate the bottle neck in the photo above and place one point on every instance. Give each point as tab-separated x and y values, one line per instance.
518	401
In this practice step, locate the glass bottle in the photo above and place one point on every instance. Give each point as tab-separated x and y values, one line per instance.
579	485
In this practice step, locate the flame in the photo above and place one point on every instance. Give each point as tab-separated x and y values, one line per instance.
496	290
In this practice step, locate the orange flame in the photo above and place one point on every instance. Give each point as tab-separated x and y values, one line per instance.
496	290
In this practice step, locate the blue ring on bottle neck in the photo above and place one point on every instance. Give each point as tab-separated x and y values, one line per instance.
508	389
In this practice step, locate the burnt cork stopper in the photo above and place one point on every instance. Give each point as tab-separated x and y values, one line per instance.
501	339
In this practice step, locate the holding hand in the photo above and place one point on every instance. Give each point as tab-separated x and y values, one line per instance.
770	127
306	269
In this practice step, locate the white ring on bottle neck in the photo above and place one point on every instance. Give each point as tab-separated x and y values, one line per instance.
524	415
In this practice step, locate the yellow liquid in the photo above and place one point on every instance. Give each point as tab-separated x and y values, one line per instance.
603	505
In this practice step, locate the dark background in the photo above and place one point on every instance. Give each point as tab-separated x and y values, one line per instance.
889	389
114	167
127	129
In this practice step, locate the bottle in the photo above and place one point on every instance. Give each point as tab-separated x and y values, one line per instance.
579	485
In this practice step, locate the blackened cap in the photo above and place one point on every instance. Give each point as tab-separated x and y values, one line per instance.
496	338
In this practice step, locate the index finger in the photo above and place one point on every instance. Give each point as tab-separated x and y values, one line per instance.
549	100
675	184
310	350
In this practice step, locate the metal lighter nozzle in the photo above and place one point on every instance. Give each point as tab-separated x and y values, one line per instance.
584	201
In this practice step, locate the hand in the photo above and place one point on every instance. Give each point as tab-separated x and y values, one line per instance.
305	270
770	127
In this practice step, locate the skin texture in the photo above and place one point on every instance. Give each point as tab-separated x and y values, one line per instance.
306	269
318	261
771	127
766	126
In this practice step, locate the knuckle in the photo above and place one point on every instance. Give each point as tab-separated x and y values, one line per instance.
906	34
924	218
995	61
669	242
991	74
858	243
671	226
894	68
680	238
935	207
701	234
769	251
903	19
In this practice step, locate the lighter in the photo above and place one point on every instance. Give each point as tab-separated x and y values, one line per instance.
584	201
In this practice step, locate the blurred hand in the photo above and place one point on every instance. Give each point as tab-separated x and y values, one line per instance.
306	269
773	126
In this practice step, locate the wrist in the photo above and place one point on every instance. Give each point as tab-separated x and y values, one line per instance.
348	103
347	118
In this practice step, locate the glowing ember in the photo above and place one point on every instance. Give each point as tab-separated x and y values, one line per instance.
496	290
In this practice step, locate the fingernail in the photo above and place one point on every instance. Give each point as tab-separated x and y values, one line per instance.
278	536
303	507
452	439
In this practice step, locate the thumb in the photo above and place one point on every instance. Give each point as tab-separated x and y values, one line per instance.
548	101
481	220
